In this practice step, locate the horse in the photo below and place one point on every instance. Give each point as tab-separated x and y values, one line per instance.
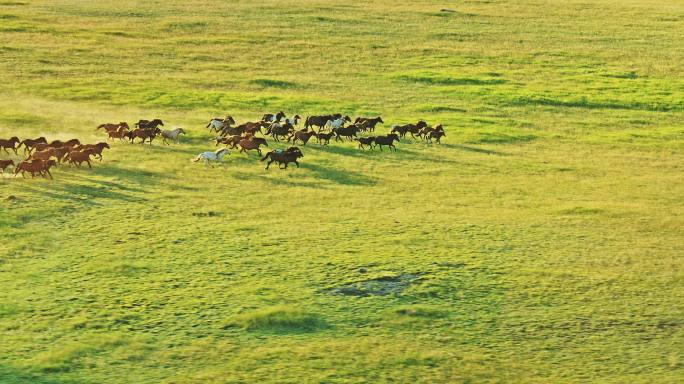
271	118
212	156
294	120
96	148
44	155
173	134
437	135
149	123
367	123
121	134
302	136
231	140
318	121
277	129
6	163
113	127
348	132
338	123
69	143
387	140
144	134
283	157
250	143
366	141
36	166
252	127
216	123
424	132
325	137
78	157
61	152
11	144
30	143
227	130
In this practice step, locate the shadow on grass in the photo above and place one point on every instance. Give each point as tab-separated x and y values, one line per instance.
339	175
475	149
18	376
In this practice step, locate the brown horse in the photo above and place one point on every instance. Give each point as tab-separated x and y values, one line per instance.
424	132
387	140
96	148
281	157
30	143
253	127
324	137
108	127
144	134
302	136
44	155
36	166
11	144
231	141
78	157
120	134
61	152
6	163
68	143
366	141
250	143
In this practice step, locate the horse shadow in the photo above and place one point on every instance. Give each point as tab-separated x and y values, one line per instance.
13	375
474	149
339	176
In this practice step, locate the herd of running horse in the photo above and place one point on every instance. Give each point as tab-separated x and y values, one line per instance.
41	155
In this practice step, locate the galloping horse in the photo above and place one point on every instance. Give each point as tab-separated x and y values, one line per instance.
212	156
283	157
11	144
173	134
250	143
149	123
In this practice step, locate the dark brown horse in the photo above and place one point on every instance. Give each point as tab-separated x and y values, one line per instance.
303	136
318	121
387	140
368	123
281	157
61	152
324	138
144	134
437	135
4	164
30	143
276	130
68	143
251	143
424	132
11	144
149	123
252	127
366	141
348	132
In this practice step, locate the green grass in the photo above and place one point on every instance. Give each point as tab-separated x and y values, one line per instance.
541	242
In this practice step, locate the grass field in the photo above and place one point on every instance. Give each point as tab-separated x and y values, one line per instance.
542	242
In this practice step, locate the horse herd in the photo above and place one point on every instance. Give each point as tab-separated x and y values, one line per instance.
41	155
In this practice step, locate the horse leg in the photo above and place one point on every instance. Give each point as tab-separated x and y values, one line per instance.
296	162
269	164
50	174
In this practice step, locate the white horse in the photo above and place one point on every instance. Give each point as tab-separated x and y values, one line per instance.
338	123
173	134
212	156
216	124
293	120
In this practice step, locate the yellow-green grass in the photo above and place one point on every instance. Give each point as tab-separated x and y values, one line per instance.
541	242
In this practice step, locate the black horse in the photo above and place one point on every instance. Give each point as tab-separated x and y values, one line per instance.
290	155
387	140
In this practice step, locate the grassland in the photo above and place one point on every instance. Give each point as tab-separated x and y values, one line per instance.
542	242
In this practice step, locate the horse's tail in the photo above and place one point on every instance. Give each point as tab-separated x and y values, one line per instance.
99	126
267	156
197	158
